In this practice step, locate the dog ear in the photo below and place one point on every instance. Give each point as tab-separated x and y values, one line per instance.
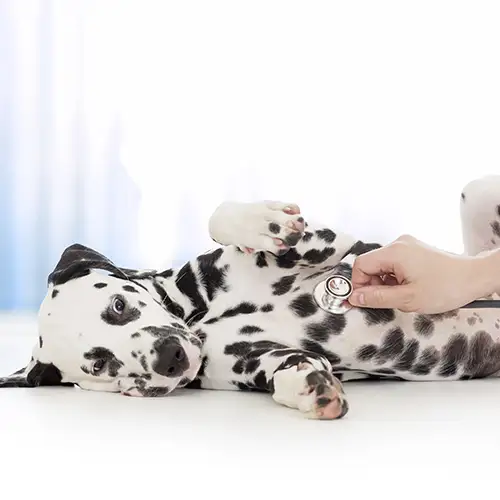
36	374
78	260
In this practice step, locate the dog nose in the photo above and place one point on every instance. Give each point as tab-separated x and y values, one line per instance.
171	360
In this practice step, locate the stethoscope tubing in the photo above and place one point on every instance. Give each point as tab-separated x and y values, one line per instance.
482	304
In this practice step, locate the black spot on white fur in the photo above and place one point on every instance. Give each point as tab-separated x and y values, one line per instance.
250	329
55	293
453	355
315	256
267	308
238	366
361	247
495	226
212	277
284	285
187	285
408	356
484	356
392	346
326	235
100	285
424	325
304	305
427	361
44	374
143	361
167	302
261	260
113	364
315	275
259	383
366	352
293	238
332	324
274	228
243	308
129	288
289	259
246	365
316	347
153	392
178	326
378	316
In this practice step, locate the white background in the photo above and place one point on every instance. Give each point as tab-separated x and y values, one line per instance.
371	115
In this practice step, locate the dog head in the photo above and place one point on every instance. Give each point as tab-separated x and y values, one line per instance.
101	328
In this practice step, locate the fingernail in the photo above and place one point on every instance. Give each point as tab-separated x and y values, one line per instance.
358	298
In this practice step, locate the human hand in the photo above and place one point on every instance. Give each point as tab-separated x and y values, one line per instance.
414	277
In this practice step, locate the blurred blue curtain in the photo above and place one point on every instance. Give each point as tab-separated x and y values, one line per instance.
61	176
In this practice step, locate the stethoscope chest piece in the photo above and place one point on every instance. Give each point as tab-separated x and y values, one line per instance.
332	294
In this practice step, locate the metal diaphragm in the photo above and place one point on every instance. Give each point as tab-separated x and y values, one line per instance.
332	293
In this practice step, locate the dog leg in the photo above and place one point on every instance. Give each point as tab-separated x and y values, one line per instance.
261	226
315	392
279	228
295	378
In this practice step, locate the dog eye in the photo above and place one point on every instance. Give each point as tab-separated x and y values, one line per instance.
118	305
98	366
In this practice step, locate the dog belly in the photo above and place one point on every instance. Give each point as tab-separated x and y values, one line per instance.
417	347
383	343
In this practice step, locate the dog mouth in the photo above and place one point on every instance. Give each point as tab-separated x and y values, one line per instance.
144	386
138	387
146	392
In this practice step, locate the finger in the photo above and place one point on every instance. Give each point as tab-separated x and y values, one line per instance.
406	238
376	281
374	263
389	279
370	281
390	297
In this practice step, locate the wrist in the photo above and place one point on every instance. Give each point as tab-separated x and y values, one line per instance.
487	272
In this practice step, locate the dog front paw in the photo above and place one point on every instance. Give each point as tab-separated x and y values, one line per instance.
270	226
322	397
316	393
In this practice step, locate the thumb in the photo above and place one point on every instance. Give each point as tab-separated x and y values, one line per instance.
384	296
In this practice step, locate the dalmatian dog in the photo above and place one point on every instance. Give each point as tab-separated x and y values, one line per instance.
243	317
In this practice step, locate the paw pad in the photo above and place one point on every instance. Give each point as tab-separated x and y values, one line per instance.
325	396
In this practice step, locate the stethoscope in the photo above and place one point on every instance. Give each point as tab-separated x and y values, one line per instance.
332	294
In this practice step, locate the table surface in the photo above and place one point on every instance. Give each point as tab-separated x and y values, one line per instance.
406	437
